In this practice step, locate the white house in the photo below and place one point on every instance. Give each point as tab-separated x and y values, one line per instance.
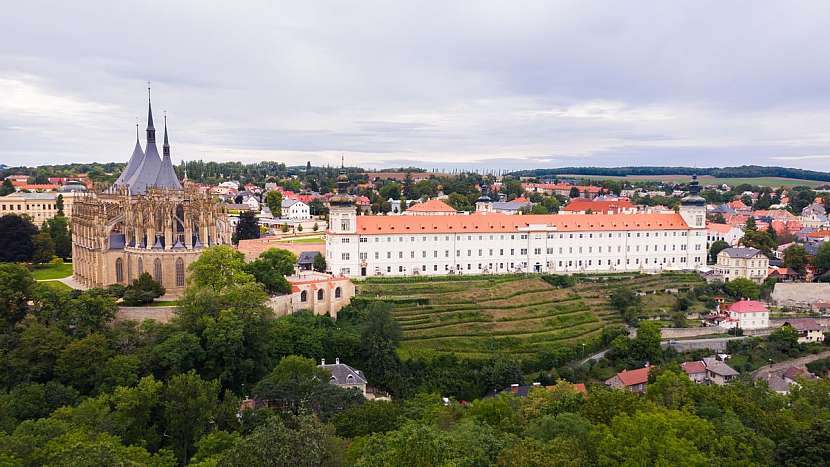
295	210
746	314
728	233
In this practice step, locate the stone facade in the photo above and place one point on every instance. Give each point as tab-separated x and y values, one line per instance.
315	292
118	236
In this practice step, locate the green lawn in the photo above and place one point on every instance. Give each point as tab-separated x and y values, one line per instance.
311	240
520	315
706	180
56	285
46	272
160	303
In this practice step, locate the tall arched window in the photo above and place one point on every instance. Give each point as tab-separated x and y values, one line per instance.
337	292
303	296
140	266
119	270
129	269
179	273
157	270
320	294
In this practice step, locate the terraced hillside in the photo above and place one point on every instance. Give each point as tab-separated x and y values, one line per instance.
516	314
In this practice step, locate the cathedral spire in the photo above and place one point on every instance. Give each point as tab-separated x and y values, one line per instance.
166	146
151	130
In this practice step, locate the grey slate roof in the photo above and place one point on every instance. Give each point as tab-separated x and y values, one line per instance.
307	257
718	367
150	169
287	203
132	165
510	205
744	253
342	374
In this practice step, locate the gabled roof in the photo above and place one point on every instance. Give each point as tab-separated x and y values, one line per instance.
693	367
132	165
803	324
307	257
719	368
748	306
433	205
342	374
599	206
632	377
720	228
740	252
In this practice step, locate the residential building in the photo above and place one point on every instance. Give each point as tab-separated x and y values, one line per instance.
632	380
40	207
516	206
728	233
305	262
808	329
563	189
345	377
295	210
739	262
746	314
599	205
432	207
696	371
499	243
718	372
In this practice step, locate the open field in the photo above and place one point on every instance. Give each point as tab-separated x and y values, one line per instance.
705	180
46	272
514	314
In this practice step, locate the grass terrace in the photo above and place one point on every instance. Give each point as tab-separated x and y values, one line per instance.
48	272
515	314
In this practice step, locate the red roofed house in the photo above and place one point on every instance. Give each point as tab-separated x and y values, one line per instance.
746	314
695	370
633	380
728	233
563	189
740	207
433	207
598	206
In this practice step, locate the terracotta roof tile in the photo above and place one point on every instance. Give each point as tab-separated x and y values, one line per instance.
433	205
506	223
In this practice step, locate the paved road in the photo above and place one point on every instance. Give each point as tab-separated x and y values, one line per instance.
797	362
595	357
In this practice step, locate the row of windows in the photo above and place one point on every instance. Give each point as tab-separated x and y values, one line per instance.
447	238
20	207
157	270
561	264
320	294
522	251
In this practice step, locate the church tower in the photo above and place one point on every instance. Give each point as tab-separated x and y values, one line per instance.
342	213
693	206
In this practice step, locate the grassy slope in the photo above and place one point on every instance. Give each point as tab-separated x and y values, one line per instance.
52	271
513	314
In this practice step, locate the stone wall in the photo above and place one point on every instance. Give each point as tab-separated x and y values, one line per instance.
679	333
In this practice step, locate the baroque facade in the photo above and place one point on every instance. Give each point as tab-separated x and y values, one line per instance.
146	222
493	243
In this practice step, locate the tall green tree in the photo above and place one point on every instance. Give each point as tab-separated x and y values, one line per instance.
247	228
270	269
219	267
381	336
319	264
189	405
795	258
274	202
6	188
44	247
16	238
16	287
716	247
58	228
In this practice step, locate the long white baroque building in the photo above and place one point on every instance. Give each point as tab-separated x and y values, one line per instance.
359	246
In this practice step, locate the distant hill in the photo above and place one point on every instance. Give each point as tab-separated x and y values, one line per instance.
744	171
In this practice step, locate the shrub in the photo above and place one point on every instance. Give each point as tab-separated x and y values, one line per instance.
142	291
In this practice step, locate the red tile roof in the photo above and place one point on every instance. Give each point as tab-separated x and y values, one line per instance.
602	206
632	377
505	223
720	228
747	306
693	367
433	205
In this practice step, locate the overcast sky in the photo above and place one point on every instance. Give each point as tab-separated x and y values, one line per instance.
436	84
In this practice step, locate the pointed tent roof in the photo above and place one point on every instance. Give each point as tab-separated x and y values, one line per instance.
166	177
133	164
